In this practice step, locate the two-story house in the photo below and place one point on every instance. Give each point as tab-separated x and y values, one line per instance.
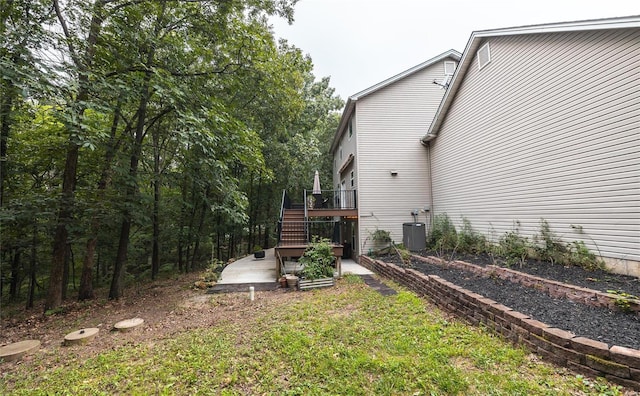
377	152
542	122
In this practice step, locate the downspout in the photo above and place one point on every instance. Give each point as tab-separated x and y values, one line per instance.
426	141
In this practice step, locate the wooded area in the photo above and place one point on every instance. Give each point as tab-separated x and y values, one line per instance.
143	137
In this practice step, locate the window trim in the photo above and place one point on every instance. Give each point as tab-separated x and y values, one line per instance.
480	50
445	68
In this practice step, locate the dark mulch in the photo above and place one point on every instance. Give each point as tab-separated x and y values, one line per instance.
611	327
597	280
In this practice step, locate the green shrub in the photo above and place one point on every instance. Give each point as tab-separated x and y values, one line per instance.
443	236
513	247
579	255
381	238
469	241
548	246
624	301
318	259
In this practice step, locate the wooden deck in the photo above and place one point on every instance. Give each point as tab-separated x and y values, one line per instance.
320	212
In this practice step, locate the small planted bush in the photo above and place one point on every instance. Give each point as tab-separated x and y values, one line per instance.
581	256
513	247
318	260
381	238
470	241
548	246
443	236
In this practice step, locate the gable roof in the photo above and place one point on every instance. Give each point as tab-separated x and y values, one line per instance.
478	37
351	101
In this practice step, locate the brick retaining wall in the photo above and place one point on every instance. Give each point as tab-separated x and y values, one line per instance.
594	358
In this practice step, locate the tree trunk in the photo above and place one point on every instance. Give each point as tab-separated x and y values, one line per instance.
15	274
125	229
252	238
268	216
86	278
115	290
65	210
32	269
6	104
65	273
123	243
155	252
203	214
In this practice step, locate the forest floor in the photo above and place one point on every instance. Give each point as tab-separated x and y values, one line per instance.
601	324
169	307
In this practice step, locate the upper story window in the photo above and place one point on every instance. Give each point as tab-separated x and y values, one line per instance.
352	179
340	153
484	56
350	129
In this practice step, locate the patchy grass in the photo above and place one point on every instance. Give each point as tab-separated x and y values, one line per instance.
343	340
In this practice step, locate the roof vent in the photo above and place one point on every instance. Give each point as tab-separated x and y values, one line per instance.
484	56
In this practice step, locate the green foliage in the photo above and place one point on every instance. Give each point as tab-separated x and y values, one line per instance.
513	247
213	270
581	256
469	241
382	237
348	340
403	254
548	246
625	300
318	260
213	116
598	386
443	236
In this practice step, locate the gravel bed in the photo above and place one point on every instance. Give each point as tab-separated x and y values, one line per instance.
611	327
597	280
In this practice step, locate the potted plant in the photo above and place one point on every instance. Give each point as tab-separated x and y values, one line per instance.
318	261
258	252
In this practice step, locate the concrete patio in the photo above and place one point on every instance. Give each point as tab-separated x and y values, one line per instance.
251	271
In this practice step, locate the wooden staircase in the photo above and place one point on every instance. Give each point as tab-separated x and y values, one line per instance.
293	228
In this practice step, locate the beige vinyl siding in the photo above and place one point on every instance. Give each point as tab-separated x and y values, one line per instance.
349	146
390	125
550	129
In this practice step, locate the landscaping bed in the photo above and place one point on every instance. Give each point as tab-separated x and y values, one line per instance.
598	279
601	324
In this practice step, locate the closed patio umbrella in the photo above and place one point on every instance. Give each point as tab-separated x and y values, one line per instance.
317	192
316	184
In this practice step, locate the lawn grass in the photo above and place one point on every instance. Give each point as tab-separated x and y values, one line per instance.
347	340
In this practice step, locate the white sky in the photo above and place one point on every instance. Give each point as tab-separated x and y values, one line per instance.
362	42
